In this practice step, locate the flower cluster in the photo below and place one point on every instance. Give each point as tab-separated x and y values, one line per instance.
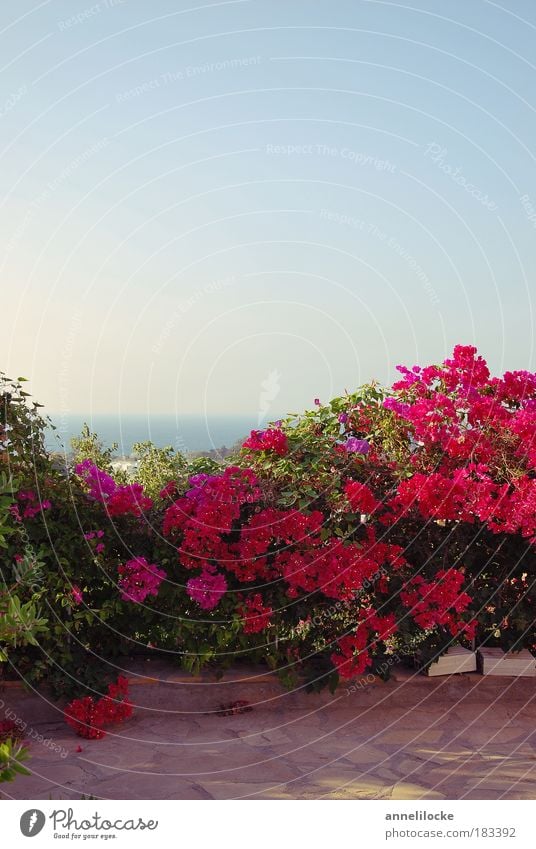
10	729
92	537
457	407
439	602
209	509
28	505
207	589
219	526
353	445
474	444
119	500
89	717
139	579
76	594
128	498
255	613
331	532
361	497
100	484
271	439
354	651
169	490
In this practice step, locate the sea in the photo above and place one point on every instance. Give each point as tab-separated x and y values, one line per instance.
185	433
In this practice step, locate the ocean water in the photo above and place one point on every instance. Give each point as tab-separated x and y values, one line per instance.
184	433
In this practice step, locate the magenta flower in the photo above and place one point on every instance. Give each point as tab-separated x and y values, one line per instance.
357	446
272	439
343	418
169	491
207	589
29	504
76	594
101	485
396	406
138	579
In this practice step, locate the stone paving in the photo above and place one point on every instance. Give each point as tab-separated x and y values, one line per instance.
413	737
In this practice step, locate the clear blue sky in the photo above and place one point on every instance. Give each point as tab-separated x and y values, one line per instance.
204	202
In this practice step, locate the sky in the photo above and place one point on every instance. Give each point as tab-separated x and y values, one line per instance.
230	207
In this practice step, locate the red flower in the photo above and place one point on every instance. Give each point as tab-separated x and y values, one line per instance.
352	657
272	439
437	602
361	498
255	614
10	730
89	717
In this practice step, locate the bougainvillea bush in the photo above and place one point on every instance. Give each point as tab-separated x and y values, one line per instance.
381	524
440	469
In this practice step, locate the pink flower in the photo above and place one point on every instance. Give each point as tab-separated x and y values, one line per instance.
356	446
29	504
101	485
76	594
169	490
397	407
272	439
119	500
207	589
361	497
255	614
128	499
138	579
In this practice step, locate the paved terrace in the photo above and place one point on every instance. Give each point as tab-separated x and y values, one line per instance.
413	737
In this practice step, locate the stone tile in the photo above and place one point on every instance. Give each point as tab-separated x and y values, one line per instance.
241	789
404	736
142	786
408	790
270	737
364	754
342	784
407	739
